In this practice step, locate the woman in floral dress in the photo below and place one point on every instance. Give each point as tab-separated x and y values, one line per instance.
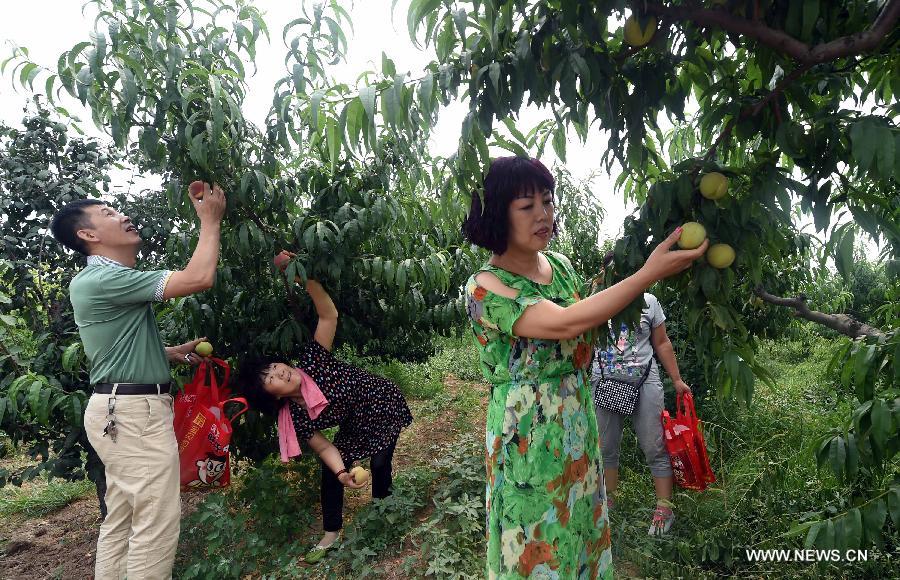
546	506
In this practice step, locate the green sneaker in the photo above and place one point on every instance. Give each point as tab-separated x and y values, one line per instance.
315	555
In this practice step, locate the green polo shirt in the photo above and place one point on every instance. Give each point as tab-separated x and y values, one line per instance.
116	322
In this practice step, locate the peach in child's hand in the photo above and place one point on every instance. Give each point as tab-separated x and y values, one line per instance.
360	474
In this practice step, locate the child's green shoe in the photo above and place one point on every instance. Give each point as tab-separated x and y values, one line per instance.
315	555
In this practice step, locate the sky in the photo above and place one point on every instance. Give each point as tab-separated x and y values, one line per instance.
49	27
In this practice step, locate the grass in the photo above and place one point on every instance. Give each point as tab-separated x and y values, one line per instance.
40	498
767	479
454	356
762	455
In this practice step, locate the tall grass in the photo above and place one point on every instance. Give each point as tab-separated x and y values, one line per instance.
40	497
767	479
454	356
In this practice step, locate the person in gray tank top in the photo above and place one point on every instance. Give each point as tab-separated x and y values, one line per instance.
630	351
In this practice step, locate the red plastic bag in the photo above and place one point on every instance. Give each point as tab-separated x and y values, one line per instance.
202	428
686	446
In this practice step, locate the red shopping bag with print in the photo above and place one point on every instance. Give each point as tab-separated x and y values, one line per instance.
204	389
687	448
203	429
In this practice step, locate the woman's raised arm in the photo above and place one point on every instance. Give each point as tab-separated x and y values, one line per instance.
550	321
326	327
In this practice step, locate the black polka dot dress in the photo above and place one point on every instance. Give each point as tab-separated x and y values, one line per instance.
369	410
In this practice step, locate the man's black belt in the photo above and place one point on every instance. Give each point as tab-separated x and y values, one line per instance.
133	388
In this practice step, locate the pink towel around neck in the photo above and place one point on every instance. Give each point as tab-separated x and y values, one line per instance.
315	404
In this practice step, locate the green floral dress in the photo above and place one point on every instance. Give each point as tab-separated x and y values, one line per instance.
546	497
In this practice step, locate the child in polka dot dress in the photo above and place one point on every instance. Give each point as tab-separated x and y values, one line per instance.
368	410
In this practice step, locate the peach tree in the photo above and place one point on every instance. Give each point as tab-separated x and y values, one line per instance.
793	104
377	225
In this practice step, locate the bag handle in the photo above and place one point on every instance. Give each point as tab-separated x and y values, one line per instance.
207	368
225	366
240	400
209	375
685	408
665	419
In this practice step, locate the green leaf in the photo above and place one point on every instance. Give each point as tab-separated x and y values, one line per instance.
873	515
387	65
315	106
334	141
323	234
27	75
48	87
893	502
895	360
309	237
838	456
813	534
853	528
852	464
401	277
862	360
494	75
721	316
810	15
34	396
244	238
355	119
71	357
215	103
418	10
862	136
389	107
76	407
825	538
844	256
426	88
43	413
559	141
367	97
884	155
881	421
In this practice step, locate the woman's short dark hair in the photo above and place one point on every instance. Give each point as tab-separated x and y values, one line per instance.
487	225
68	220
251	374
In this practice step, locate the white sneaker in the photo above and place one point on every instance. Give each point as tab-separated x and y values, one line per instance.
663	518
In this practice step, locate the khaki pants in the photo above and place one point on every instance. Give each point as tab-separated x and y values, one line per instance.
139	536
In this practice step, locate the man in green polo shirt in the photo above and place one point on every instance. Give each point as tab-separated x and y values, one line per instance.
128	419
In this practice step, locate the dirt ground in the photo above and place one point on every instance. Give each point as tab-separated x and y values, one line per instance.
62	544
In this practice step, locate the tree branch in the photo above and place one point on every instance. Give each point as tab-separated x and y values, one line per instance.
755	108
842	323
779	40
